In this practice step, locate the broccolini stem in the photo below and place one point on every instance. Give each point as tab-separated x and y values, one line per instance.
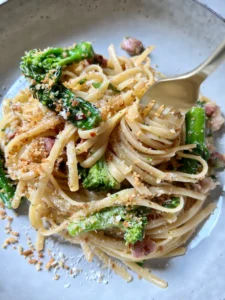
7	188
195	134
80	52
78	111
132	221
37	64
100	220
195	130
99	178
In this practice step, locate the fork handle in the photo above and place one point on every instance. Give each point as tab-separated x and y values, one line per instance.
210	65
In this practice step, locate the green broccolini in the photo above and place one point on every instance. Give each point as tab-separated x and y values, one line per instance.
171	203
195	131
131	221
7	187
79	112
99	178
140	263
96	85
195	134
36	64
82	172
113	88
82	81
200	103
45	68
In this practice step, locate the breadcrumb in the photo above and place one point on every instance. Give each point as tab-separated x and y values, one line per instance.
2	213
38	267
20	249
27	253
49	264
32	261
56	277
9	241
15	233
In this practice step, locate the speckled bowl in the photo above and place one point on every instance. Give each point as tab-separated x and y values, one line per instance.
184	33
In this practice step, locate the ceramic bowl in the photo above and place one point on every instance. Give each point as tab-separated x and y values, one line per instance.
184	33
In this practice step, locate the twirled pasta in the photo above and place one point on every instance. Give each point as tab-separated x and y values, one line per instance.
141	148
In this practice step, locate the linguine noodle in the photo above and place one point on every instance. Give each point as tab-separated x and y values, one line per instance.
143	148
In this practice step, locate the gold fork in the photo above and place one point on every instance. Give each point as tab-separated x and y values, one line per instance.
182	92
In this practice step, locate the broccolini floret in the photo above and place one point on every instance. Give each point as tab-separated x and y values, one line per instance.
36	64
99	178
82	172
45	69
131	220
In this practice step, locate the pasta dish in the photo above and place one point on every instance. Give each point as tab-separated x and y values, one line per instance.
125	183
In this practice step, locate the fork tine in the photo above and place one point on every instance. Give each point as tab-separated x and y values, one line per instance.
148	108
159	111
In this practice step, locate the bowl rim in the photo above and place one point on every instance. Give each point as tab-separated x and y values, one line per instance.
210	9
5	2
